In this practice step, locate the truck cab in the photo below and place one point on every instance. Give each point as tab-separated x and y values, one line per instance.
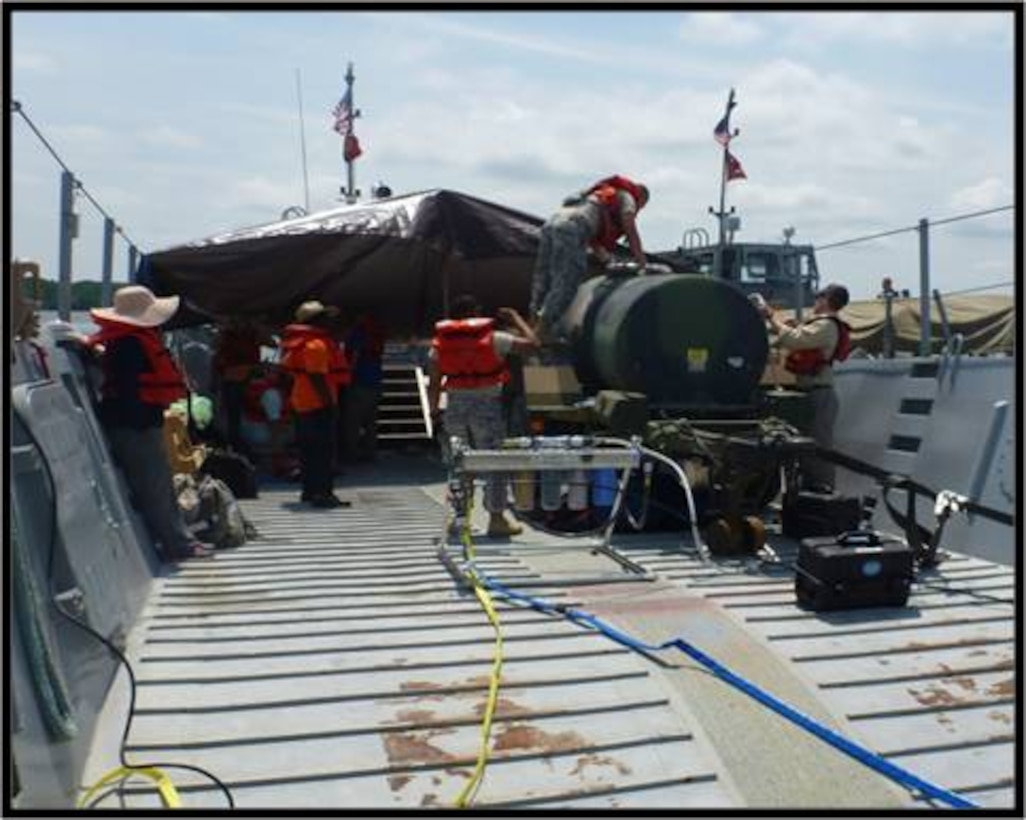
786	275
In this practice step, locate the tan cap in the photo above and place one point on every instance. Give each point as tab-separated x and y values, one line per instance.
312	309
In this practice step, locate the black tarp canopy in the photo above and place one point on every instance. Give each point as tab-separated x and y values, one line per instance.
404	258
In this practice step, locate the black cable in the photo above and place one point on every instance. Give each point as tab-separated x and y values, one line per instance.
17	108
793	564
911	228
52	549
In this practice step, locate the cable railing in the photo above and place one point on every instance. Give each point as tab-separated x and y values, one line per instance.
911	228
70	186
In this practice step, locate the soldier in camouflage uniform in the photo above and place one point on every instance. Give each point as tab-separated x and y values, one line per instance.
470	355
593	219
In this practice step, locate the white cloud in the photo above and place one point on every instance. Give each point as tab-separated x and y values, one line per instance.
920	29
724	28
987	193
82	134
164	136
438	24
34	61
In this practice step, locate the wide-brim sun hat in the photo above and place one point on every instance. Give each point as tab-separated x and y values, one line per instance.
312	309
136	305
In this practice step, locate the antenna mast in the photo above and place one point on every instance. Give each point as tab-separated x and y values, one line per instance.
723	136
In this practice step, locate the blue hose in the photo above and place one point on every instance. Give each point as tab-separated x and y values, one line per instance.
865	756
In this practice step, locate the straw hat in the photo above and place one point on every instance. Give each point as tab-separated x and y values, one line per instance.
314	309
136	305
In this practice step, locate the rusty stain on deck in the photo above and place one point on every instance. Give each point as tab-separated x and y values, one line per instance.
522	736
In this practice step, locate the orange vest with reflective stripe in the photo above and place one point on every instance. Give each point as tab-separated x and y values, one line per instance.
466	354
163	383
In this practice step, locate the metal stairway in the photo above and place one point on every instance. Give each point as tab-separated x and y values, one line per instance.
402	413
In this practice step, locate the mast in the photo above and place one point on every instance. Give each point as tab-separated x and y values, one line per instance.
723	135
302	142
350	190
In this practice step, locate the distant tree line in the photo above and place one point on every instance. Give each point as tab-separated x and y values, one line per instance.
84	295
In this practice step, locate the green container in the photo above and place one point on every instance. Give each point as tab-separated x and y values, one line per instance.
681	339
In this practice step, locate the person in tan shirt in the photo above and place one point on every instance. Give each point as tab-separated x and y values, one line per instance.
813	346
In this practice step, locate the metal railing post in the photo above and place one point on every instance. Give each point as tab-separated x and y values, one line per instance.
925	341
68	230
108	262
133	256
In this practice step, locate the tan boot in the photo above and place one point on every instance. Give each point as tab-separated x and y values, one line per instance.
499	527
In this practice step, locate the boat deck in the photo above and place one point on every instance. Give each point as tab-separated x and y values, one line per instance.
335	663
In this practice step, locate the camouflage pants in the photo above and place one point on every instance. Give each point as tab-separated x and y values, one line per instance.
561	264
477	419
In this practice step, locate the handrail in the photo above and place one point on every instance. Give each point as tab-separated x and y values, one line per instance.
422	395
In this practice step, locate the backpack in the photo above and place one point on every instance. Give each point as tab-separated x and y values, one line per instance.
234	469
211	511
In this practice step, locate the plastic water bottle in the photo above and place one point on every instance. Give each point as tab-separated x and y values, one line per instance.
577	491
552	489
523	490
603	491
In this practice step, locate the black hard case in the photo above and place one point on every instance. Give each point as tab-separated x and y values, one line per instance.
853	570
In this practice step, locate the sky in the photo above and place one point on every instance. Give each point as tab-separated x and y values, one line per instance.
182	124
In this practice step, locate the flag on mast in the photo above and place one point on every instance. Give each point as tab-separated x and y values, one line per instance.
351	148
734	169
344	117
721	133
344	113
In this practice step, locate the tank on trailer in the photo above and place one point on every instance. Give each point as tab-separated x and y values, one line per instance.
683	340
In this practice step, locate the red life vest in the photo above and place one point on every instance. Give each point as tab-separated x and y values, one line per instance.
253	407
238	351
606	191
293	343
163	383
810	361
466	353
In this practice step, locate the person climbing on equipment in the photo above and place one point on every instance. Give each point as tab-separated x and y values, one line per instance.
593	219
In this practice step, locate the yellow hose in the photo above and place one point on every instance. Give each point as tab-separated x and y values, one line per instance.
485	598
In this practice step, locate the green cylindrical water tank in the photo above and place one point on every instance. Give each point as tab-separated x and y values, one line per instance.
681	339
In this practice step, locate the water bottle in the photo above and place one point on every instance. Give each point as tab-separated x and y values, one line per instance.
523	490
577	491
603	491
552	489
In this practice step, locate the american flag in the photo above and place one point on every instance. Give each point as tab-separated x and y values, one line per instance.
344	113
721	133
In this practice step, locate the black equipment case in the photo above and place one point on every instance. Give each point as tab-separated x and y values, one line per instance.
805	514
853	570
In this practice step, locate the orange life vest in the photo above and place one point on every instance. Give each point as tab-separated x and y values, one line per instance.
606	191
466	353
293	343
163	383
810	361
